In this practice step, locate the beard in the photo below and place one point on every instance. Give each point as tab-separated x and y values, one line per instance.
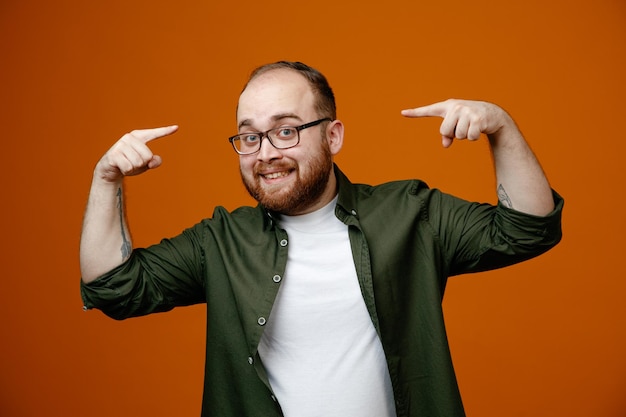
299	196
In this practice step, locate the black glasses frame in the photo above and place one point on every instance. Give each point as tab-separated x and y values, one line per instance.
266	135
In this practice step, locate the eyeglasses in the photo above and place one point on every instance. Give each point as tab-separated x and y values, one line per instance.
283	137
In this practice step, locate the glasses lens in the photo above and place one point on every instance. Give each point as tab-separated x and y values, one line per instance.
247	143
284	137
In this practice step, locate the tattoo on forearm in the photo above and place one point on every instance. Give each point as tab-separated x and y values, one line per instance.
126	246
504	197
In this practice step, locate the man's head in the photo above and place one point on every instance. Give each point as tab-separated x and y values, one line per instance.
325	98
299	179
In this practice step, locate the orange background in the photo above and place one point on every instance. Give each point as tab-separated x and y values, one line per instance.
544	338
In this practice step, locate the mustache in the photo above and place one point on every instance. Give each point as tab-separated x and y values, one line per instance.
261	167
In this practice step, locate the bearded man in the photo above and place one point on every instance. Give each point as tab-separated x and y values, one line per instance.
325	298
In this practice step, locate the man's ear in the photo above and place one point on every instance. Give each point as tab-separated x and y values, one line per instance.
334	136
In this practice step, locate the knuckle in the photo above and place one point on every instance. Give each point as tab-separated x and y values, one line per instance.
127	137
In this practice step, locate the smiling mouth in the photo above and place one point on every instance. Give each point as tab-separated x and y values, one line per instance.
275	175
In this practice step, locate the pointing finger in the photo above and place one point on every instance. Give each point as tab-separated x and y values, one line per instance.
147	135
433	110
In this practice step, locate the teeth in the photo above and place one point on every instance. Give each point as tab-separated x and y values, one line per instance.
276	175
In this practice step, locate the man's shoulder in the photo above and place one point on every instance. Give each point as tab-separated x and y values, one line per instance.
411	185
404	187
241	215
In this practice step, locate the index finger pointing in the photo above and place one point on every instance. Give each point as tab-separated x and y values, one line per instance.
146	135
432	110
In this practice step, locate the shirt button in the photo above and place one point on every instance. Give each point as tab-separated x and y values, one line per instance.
250	360
261	321
353	212
274	398
283	242
276	278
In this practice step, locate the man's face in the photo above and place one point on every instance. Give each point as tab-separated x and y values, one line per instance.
291	181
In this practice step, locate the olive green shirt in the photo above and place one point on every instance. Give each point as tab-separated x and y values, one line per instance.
406	241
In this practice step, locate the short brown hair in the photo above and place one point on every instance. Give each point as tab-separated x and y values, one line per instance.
325	105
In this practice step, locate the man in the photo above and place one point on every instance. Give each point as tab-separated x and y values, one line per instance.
325	299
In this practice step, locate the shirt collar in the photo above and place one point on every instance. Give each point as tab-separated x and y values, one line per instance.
347	200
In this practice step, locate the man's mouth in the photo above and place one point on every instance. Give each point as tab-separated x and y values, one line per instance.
274	175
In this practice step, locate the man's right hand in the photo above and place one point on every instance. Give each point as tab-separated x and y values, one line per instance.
131	155
105	238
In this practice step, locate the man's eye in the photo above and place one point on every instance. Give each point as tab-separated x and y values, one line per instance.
286	133
249	138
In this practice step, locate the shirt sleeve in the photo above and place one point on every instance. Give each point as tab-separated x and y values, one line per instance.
154	279
477	237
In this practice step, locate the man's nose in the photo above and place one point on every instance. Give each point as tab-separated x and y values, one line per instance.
267	152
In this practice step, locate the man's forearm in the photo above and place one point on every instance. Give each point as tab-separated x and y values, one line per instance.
105	239
521	183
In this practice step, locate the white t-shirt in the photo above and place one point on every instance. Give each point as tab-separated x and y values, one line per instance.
321	351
